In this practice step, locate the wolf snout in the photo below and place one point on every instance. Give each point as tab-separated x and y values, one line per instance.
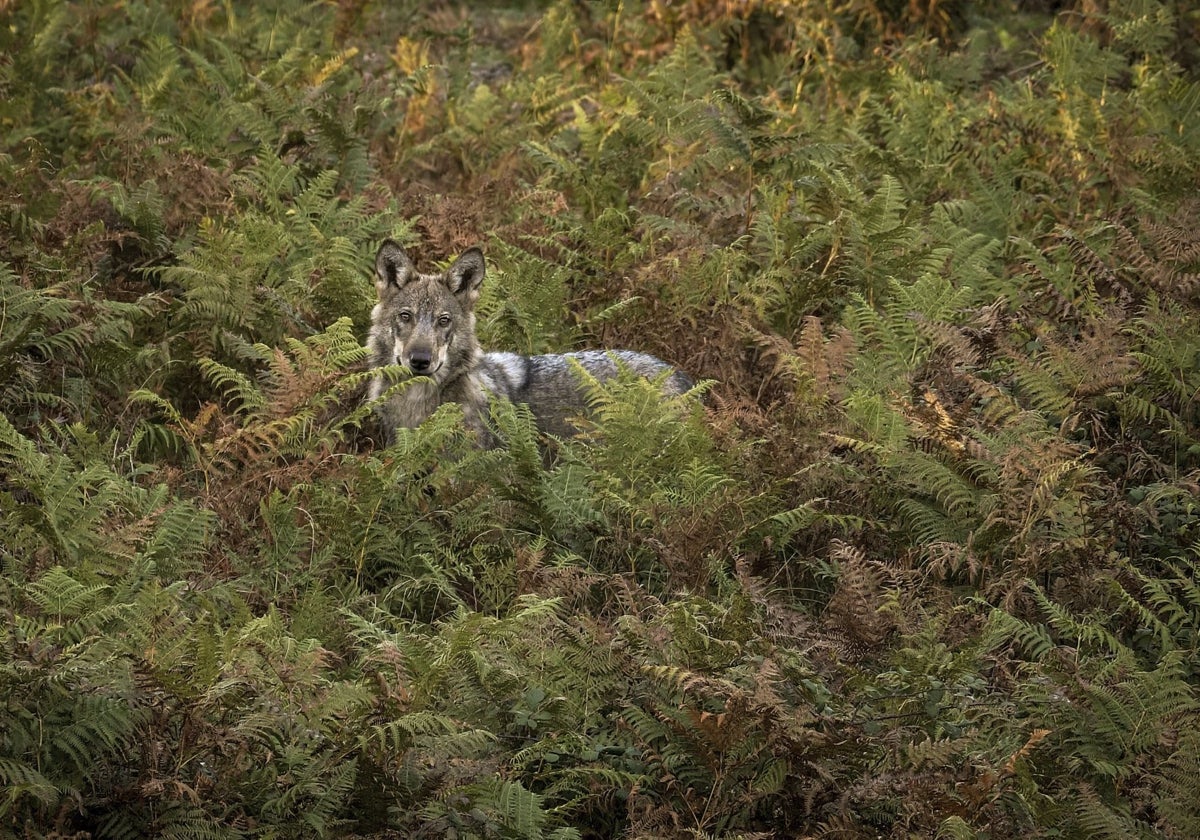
420	361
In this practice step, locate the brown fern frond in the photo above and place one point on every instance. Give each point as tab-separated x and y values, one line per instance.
827	358
1095	267
940	429
1047	297
1177	238
856	606
951	344
1135	257
1146	256
948	560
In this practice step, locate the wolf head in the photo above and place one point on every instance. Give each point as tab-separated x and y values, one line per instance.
426	322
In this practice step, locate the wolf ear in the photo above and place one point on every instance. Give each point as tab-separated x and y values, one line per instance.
465	275
392	267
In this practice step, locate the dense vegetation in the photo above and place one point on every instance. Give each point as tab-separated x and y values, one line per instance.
924	563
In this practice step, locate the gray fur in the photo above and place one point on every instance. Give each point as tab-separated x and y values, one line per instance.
426	323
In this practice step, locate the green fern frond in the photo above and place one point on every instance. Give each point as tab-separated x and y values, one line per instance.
234	385
1034	639
22	780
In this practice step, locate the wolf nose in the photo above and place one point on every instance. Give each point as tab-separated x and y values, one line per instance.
420	361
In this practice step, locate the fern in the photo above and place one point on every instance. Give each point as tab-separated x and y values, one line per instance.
923	563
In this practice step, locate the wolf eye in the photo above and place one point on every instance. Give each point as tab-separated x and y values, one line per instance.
405	316
444	321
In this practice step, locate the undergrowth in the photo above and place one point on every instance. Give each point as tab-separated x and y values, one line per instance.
918	558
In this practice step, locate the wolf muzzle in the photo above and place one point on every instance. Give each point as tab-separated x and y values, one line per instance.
420	361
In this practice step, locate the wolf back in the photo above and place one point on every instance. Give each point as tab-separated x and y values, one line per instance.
549	385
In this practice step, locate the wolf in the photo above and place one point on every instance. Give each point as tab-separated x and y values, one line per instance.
426	323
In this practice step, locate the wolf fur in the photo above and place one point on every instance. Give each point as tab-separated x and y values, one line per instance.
426	323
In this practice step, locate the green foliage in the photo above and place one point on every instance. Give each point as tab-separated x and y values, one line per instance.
918	557
1116	702
279	269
